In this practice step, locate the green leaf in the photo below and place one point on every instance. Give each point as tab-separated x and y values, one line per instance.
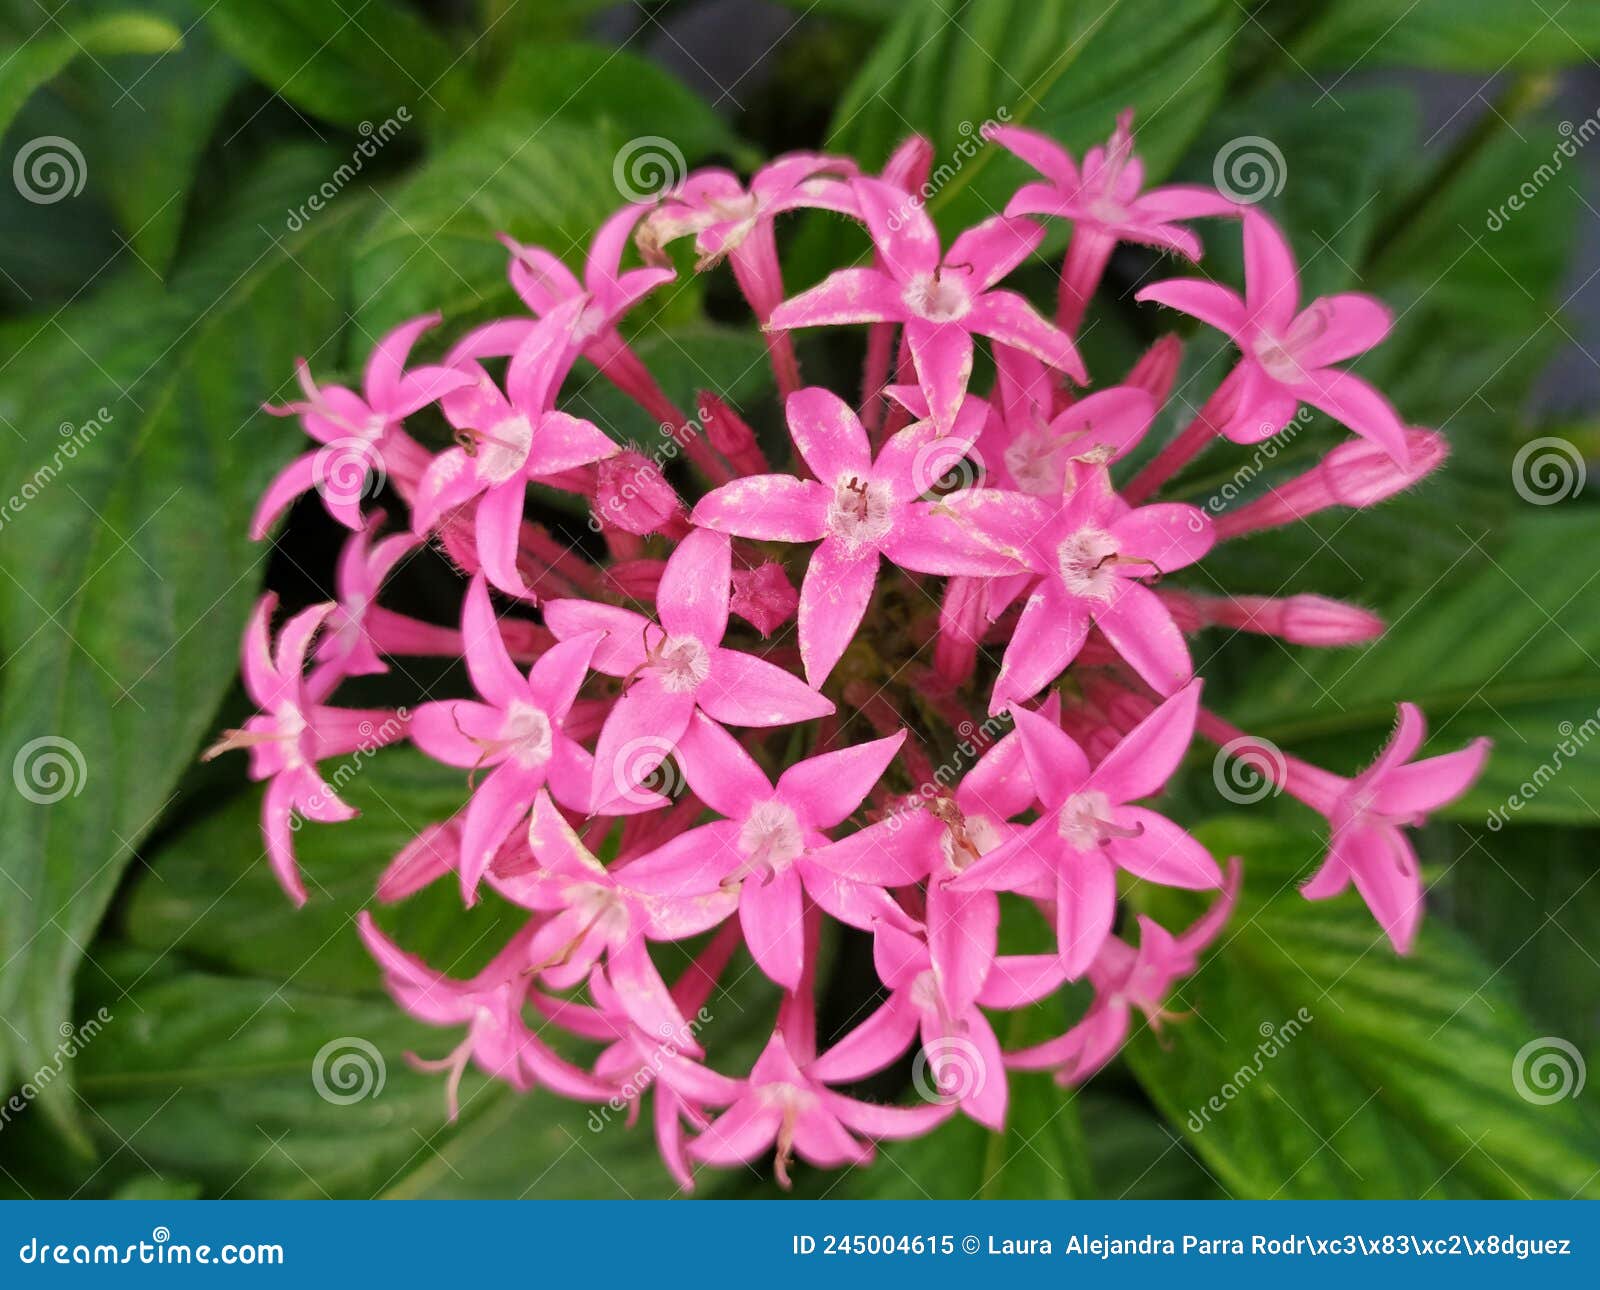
146	159
1528	899
348	61
1487	36
1509	652
121	628
581	83
35	62
1065	67
1321	1064
437	245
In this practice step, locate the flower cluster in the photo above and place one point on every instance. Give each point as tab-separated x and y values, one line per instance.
976	572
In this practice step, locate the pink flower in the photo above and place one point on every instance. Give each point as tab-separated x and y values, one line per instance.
507	440
1092	552
770	846
515	727
859	508
1106	203
734	801
941	301
293	732
790	1107
673	669
1288	352
1367	813
490	1005
1125	978
360	433
597	912
729	221
1087	830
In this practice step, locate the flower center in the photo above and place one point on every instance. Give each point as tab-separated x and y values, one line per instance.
526	735
937	299
502	451
770	840
681	663
860	513
1085	821
1277	359
1034	462
1087	562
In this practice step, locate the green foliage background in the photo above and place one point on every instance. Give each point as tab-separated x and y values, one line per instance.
170	298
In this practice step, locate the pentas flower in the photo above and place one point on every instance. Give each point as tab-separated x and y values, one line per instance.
514	731
1127	977
1093	553
507	440
789	1107
1087	828
1287	353
729	221
360	433
671	754
860	508
294	731
490	1005
771	845
1366	815
1106	201
674	668
940	300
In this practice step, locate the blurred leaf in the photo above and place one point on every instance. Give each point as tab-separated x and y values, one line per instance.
580	83
1321	1064
121	627
1065	67
146	159
437	245
348	61
214	898
1133	1155
1528	898
36	61
1487	36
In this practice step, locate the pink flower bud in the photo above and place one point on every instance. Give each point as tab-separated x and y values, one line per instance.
764	597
